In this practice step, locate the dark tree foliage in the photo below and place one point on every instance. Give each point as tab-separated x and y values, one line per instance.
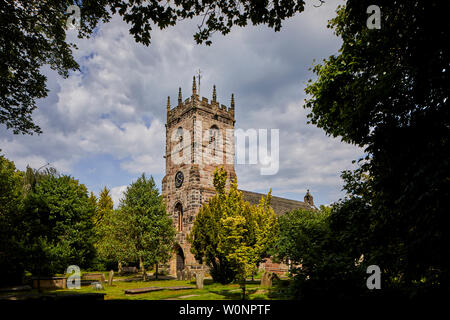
33	34
148	227
57	226
45	223
387	90
11	245
322	263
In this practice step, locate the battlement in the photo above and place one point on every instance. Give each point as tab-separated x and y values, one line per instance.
195	102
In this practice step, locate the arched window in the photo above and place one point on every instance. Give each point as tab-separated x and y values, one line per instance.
179	213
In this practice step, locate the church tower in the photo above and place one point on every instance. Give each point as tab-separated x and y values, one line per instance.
199	138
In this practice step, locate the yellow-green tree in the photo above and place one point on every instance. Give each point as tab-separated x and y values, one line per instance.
104	206
232	235
247	235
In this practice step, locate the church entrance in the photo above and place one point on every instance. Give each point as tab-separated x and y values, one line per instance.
180	259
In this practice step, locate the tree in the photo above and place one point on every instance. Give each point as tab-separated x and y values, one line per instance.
93	201
57	225
12	266
140	229
247	235
104	206
230	235
204	236
33	34
387	90
321	263
113	242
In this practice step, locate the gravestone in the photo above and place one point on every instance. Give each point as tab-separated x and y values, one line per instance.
129	270
266	279
183	274
100	277
179	275
110	278
97	286
188	274
199	277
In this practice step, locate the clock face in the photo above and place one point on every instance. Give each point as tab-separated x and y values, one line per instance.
179	177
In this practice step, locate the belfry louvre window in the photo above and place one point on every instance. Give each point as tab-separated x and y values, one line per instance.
213	134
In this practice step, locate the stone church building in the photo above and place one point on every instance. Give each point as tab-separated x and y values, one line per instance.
190	163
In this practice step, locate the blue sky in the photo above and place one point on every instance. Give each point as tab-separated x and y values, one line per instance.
105	124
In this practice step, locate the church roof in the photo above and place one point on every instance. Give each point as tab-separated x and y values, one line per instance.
279	205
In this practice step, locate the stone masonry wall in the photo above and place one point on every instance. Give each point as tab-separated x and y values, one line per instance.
194	157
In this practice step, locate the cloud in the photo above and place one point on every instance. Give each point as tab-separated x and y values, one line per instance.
308	158
117	194
105	123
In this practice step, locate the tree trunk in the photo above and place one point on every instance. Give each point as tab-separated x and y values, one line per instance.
156	273
141	266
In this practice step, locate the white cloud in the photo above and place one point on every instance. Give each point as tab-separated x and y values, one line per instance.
117	194
116	105
308	158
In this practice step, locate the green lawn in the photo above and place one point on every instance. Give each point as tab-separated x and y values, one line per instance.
211	291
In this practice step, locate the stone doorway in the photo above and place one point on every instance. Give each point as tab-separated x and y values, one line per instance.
180	259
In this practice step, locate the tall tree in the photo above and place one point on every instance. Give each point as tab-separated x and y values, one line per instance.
387	90
231	235
248	233
148	226
93	201
104	206
113	242
57	222
204	236
12	264
33	34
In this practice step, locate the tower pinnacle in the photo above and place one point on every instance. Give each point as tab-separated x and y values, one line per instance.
214	97
194	86
180	98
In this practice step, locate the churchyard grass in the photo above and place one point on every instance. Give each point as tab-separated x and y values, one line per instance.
211	291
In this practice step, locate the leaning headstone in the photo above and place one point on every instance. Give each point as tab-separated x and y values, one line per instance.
183	274
263	279
179	275
110	278
266	279
199	277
